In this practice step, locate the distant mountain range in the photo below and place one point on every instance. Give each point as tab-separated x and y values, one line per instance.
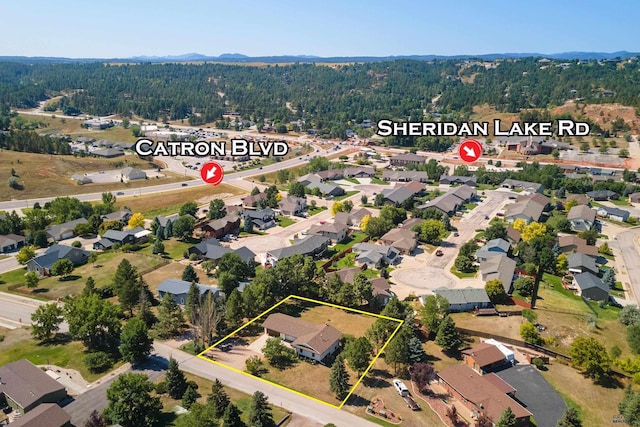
237	57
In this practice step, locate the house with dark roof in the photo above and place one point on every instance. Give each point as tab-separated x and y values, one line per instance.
405	176
24	386
602	195
374	256
572	243
252	201
292	206
43	263
463	299
513	236
500	268
484	358
407	159
310	340
535	393
465	180
312	246
179	289
11	242
493	248
403	239
335	232
616	214
530	187
482	394
109	153
580	263
330	174
246	254
591	287
123	237
123	216
582	218
65	230
262	219
44	415
452	200
218	228
397	196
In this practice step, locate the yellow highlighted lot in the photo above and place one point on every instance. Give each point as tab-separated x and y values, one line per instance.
290	297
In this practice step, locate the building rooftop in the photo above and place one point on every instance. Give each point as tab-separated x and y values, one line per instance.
25	383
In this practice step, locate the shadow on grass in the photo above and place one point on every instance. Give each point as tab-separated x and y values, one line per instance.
69	278
610	381
357	400
58	339
167	418
40	291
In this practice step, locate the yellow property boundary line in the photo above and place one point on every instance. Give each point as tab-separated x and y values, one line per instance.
400	322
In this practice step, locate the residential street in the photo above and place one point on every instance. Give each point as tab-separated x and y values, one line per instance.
626	243
17	310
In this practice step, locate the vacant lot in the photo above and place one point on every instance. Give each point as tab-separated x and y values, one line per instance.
169	202
45	175
73	127
102	272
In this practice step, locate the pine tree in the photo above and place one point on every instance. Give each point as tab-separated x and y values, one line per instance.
218	398
416	352
158	247
609	278
339	379
170	318
507	419
127	285
260	413
144	309
570	419
159	233
168	230
448	337
189	397
89	287
231	417
193	301
189	274
176	381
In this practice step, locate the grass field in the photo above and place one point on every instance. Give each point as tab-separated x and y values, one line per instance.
240	399
43	175
169	202
18	344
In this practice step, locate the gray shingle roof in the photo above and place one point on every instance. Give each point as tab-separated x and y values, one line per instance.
56	230
177	287
305	246
577	260
587	281
25	383
463	296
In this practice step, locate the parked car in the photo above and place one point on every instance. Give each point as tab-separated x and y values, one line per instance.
439	253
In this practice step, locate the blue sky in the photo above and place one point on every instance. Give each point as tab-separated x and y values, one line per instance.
118	28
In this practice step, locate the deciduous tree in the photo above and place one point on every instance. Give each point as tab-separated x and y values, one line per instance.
590	356
135	343
46	321
131	403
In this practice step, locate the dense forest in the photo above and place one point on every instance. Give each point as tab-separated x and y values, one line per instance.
329	99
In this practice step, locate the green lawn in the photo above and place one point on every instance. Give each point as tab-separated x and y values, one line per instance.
482	187
355	238
554	219
470	206
346	195
348	261
316	210
173	248
620	202
461	275
353	180
284	221
253	233
376	180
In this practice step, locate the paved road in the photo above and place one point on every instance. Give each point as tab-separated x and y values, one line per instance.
292	402
625	242
16	311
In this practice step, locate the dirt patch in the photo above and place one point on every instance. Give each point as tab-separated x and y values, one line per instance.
602	114
377	409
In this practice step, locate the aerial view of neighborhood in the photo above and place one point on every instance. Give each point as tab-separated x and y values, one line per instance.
369	236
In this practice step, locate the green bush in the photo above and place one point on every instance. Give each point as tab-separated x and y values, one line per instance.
161	387
193	257
76	244
538	363
98	362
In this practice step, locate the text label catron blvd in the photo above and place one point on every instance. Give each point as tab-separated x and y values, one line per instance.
236	148
565	127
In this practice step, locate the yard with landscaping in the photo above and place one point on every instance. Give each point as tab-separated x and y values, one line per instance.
173	248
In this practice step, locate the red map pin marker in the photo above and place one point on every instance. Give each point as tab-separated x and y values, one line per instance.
212	173
470	150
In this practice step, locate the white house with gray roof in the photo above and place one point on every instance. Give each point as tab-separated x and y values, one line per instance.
465	299
493	248
179	289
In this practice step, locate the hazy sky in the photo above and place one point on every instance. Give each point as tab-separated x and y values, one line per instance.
118	28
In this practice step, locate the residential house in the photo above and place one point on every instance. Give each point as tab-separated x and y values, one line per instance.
343	218
81	179
482	394
464	193
484	358
292	206
310	340
530	187
44	415
65	230
493	248
109	153
527	207
410	223
397	196
43	263
330	174
581	199
310	179
415	186
126	236
407	159
11	242
402	239
130	174
464	299
447	203
335	232
499	267
582	218
357	215
513	236
616	214
535	393
251	202
471	181
405	176
580	263
382	292
162	221
24	386
209	249
634	198
123	216
572	243
218	228
360	172
602	195
179	289
347	275
373	256
591	287
247	255
262	219
312	246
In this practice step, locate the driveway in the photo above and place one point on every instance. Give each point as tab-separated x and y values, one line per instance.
625	246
